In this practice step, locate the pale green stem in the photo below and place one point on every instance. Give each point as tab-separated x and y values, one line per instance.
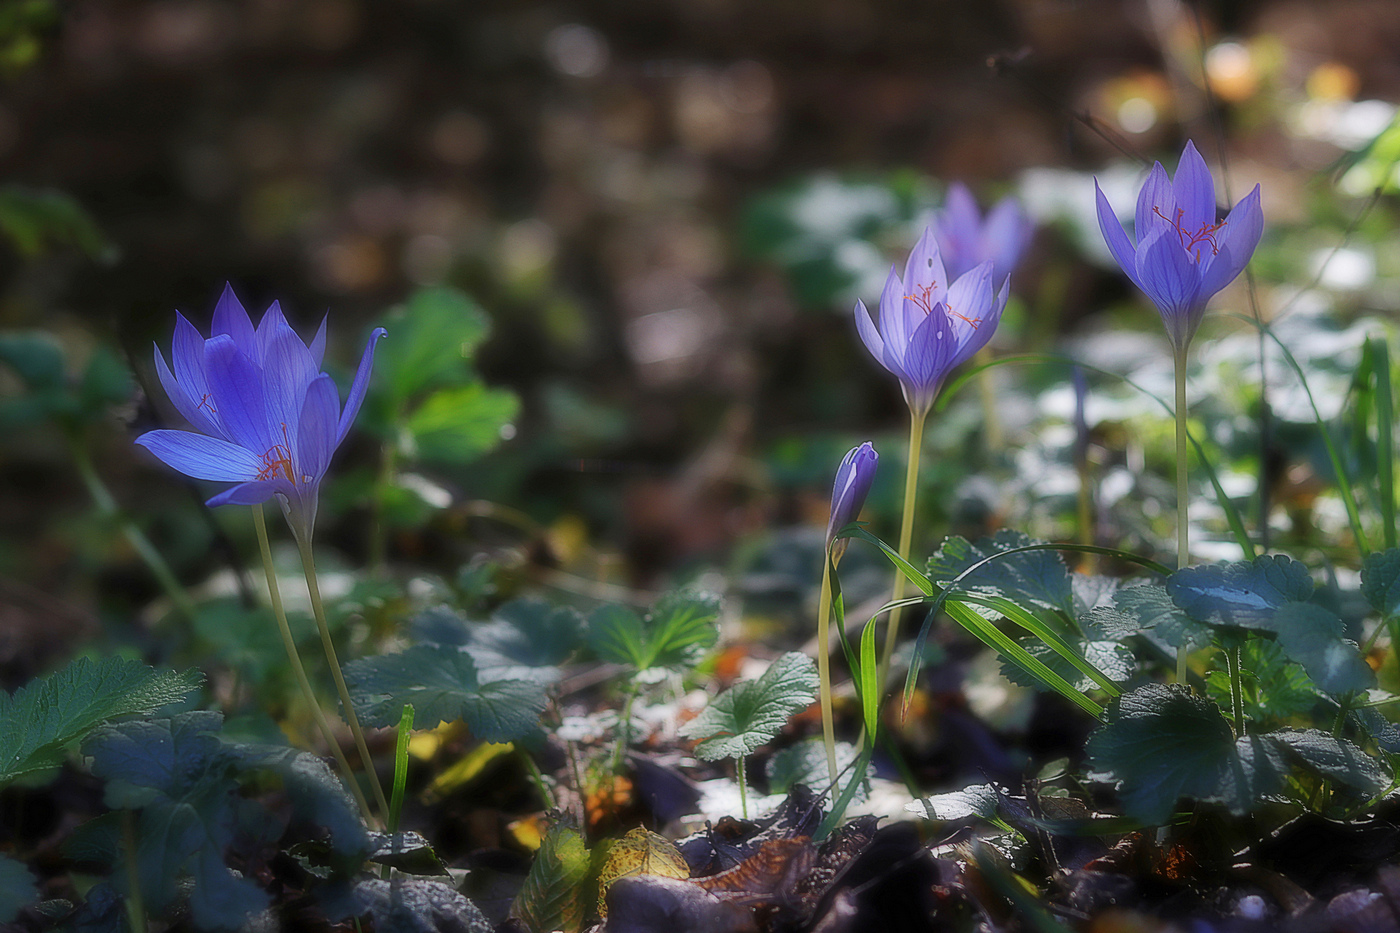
824	669
308	566
107	506
275	595
1183	548
906	536
743	786
135	902
400	766
1232	661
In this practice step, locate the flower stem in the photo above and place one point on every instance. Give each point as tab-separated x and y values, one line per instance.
318	609
108	508
1183	501
906	534
1232	661
743	786
824	669
275	594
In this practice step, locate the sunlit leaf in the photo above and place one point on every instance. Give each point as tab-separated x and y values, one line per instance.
553	896
1380	581
675	634
38	721
979	800
458	424
1139	608
751	713
1033	578
640	852
1244	593
443	685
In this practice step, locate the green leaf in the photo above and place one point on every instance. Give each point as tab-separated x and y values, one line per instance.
1161	743
1112	660
443	685
176	771
1380	581
1312	636
979	800
523	632
17	888
458	424
553	896
805	763
105	382
1244	593
431	341
1004	644
1274	688
1335	758
39	220
678	631
36	358
869	680
1037	578
1137	609
38	721
316	794
751	713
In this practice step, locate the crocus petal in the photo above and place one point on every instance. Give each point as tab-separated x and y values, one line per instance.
231	319
187	358
894	326
358	387
1007	232
287	371
1118	243
318	343
1172	280
272	320
235	384
924	265
1194	191
252	493
197	411
981	305
201	457
959	231
968	300
869	335
320	415
1237	240
853	480
931	350
1156	205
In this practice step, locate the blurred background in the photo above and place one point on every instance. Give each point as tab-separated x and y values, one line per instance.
654	218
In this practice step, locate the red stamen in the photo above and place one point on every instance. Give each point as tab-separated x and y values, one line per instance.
1191	241
925	297
206	400
278	457
925	301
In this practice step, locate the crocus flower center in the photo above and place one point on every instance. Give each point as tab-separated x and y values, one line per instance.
925	300
1191	242
278	458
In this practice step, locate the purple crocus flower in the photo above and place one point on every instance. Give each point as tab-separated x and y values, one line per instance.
968	240
1183	255
928	327
853	479
265	416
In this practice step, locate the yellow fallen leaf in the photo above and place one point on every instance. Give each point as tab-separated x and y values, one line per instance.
640	852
